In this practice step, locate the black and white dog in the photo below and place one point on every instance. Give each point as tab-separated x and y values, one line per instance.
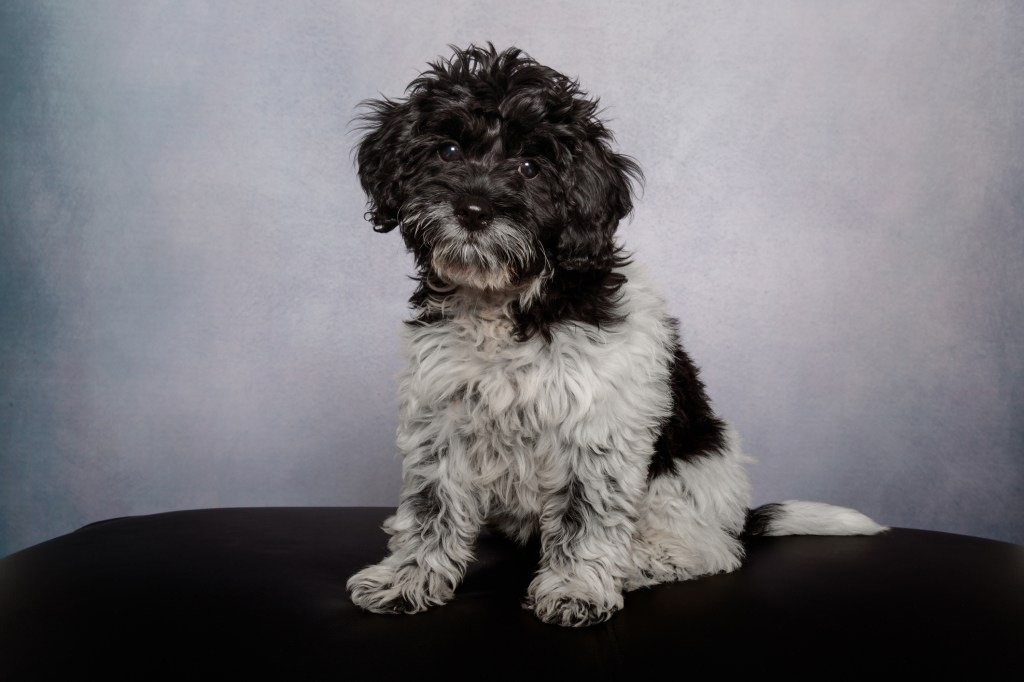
546	392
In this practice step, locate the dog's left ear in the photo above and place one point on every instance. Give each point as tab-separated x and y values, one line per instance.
598	197
380	156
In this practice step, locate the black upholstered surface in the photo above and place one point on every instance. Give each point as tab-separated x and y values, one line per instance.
259	593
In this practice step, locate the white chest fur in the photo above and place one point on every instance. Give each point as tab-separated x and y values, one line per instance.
512	418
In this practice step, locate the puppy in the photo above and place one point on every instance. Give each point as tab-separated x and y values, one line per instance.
546	391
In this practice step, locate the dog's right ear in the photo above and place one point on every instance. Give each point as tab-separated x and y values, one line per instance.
380	157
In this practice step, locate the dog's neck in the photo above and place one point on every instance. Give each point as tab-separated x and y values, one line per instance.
485	320
536	307
437	295
450	301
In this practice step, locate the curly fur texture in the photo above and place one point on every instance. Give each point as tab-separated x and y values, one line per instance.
546	392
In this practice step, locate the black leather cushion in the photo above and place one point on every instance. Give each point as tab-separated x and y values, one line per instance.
261	593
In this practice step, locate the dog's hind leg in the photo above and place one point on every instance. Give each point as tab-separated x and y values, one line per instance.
690	520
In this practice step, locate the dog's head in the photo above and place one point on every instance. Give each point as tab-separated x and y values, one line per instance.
497	171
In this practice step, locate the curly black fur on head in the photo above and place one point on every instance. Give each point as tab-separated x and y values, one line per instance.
498	172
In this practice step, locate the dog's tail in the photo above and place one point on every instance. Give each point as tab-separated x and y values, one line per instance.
794	517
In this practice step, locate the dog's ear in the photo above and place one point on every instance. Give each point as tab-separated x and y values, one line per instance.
599	195
380	157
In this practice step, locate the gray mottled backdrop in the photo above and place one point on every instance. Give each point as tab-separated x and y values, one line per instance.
194	313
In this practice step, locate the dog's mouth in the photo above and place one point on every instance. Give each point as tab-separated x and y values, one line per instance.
500	257
472	276
473	261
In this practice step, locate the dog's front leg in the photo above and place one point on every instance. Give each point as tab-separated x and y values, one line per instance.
587	526
432	534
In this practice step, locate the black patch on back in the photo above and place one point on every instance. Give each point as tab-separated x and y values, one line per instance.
692	430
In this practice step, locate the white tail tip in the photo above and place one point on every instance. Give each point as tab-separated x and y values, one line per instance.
796	517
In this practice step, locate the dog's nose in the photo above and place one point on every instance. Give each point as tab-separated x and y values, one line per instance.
473	212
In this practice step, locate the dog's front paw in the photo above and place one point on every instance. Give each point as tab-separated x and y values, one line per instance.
403	589
571	605
574	611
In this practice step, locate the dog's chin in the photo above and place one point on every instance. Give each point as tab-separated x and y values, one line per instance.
475	277
502	259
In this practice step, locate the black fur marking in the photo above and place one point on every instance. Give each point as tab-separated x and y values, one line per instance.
574	515
426	503
759	520
432	509
587	297
692	430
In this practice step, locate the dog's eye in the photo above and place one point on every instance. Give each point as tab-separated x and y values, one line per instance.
449	151
528	168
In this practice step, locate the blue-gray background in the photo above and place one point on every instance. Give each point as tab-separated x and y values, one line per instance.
194	313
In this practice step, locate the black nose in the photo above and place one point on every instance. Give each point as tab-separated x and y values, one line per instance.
473	212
